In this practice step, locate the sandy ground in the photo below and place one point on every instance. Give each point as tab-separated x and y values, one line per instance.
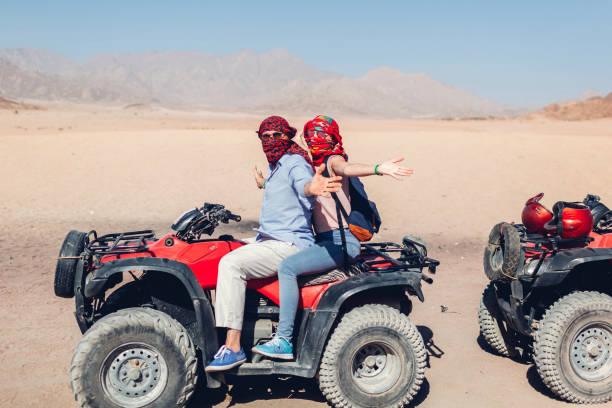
112	170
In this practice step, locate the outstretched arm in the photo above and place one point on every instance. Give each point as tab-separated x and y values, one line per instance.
388	168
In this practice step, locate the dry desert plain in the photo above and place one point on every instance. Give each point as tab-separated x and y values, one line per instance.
78	167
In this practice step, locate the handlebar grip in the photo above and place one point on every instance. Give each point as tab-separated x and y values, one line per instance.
234	217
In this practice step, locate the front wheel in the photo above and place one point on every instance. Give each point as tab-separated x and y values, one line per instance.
492	327
573	347
374	357
134	358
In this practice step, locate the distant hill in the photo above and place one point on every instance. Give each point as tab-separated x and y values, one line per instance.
593	108
271	81
8	104
18	83
588	94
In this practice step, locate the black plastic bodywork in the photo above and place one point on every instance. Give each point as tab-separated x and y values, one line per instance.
206	341
516	298
316	324
314	328
563	262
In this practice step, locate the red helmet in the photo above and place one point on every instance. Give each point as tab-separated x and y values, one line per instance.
535	215
573	220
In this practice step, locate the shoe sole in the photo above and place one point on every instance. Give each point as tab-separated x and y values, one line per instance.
279	356
210	369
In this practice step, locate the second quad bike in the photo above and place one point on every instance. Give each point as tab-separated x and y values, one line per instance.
550	295
146	341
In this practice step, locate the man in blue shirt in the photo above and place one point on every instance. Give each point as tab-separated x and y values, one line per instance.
284	229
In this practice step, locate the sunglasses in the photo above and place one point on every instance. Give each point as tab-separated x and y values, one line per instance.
319	133
268	135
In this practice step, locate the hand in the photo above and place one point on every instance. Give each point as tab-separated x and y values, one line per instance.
259	178
322	186
390	168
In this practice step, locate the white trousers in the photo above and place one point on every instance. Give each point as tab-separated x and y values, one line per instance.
252	261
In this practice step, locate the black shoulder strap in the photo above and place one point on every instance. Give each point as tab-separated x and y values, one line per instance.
340	210
334	195
341	226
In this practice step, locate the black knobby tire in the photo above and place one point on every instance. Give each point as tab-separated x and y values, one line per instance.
492	327
132	294
65	270
571	328
381	331
115	343
502	255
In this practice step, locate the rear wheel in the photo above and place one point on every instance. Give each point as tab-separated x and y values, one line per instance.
374	357
492	327
134	358
573	347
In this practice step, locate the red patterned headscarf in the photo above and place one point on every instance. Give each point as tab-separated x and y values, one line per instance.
319	146
274	147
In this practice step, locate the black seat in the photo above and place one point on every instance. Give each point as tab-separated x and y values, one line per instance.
330	276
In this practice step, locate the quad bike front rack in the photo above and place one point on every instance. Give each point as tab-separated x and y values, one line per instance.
118	243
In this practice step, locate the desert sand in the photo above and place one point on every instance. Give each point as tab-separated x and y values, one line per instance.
83	167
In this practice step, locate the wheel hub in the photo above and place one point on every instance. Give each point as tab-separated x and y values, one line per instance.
590	354
370	361
134	375
593	350
376	368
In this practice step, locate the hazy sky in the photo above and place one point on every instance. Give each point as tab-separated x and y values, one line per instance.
523	53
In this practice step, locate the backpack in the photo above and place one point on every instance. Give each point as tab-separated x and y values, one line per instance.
364	219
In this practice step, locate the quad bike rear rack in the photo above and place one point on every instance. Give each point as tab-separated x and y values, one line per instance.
413	255
548	244
537	247
118	243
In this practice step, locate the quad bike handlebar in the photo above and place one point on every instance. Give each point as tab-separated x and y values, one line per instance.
190	225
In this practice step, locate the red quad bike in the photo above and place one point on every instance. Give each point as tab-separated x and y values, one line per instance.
550	295
145	343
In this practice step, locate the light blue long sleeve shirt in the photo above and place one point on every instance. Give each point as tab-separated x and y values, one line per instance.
286	212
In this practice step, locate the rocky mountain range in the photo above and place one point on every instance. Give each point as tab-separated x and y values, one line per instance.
245	81
594	107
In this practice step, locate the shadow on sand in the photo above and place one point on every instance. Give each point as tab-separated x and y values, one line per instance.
247	389
252	388
482	343
432	348
522	358
536	382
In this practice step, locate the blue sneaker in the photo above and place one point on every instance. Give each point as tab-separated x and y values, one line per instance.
225	359
278	347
